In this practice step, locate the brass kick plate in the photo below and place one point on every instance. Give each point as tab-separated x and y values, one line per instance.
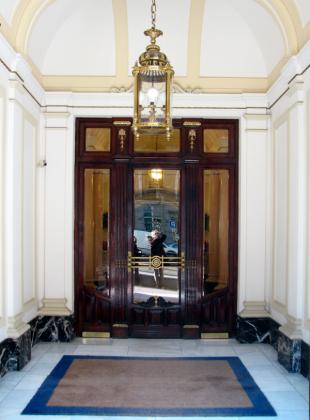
214	335
92	334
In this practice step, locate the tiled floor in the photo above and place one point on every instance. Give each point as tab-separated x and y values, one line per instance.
287	393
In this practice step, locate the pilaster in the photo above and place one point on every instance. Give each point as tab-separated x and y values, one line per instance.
57	254
13	212
297	193
255	219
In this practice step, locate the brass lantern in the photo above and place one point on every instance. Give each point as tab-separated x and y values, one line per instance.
153	80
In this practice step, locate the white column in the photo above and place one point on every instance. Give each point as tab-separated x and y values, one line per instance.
297	191
55	279
255	218
13	212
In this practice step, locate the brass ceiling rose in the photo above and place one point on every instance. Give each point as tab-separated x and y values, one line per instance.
153	82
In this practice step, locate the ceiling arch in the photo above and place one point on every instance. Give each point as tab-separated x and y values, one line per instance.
189	38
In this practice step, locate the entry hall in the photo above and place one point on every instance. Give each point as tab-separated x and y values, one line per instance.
155	200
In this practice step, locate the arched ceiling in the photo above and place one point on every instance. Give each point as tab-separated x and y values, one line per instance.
215	45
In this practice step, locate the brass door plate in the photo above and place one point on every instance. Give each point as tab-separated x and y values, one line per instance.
94	334
214	335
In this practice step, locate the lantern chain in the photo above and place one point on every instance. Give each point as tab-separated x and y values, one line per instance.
153	13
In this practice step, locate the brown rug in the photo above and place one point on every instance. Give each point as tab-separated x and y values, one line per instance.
149	383
149	386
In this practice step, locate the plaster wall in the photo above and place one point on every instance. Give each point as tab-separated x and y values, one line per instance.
19	118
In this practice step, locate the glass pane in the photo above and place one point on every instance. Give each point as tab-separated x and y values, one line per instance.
215	141
158	143
98	139
96	229
216	208
156	208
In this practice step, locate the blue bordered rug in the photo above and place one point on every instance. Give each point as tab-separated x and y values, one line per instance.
134	386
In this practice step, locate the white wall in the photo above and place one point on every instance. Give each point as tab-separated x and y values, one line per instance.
19	117
289	199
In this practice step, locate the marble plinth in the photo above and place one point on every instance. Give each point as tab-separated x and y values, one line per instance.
52	329
257	330
289	353
15	353
304	369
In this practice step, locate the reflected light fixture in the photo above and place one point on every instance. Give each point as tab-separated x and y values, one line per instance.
157	174
153	80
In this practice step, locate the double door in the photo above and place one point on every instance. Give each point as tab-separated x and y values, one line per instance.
185	198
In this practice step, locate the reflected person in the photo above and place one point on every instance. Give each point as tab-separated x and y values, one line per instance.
157	249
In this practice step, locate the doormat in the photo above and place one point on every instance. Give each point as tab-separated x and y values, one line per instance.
136	386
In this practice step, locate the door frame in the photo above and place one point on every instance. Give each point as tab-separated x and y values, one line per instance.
192	161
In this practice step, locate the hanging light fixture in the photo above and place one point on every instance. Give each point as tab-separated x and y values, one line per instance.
153	81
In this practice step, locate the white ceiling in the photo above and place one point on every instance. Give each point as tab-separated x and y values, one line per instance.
304	10
7	8
75	37
203	39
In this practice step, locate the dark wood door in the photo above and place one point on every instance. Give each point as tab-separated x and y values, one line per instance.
187	191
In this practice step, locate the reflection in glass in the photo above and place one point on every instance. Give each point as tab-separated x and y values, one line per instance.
215	141
156	207
158	143
96	229
216	210
98	139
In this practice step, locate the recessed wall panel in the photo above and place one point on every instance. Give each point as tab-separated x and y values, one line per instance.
29	212
2	303
281	213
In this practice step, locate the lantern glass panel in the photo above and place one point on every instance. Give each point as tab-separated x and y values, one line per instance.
152	99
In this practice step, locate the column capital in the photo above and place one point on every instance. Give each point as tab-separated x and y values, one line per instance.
296	94
56	120
256	122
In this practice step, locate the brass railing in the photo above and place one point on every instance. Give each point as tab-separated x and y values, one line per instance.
156	262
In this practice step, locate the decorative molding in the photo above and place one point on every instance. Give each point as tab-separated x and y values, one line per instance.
56	128
176	89
191	124
16	327
56	114
122	138
54	306
292	329
296	87
254	309
121	90
255	117
14	84
258	130
122	123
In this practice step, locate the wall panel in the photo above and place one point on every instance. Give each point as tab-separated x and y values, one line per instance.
2	134
29	213
280	214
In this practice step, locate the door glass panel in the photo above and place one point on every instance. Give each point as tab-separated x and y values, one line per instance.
158	143
96	229
215	141
156	208
216	210
98	140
